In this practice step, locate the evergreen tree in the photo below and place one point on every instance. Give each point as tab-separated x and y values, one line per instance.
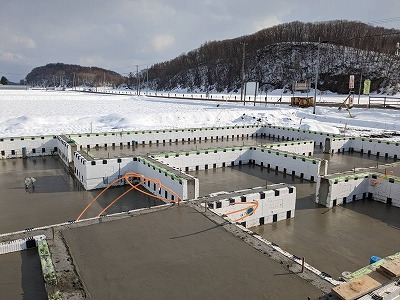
4	80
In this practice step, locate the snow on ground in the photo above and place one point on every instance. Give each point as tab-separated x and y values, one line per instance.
40	112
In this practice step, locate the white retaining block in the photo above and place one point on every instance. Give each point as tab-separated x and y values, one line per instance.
285	133
364	145
29	146
340	189
289	163
20	244
275	204
95	174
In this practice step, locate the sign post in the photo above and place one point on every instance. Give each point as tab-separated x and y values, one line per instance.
351	92
367	86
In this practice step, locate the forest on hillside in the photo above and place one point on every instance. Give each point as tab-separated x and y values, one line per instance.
282	54
66	75
276	57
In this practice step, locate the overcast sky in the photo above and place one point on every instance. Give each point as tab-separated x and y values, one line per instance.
119	34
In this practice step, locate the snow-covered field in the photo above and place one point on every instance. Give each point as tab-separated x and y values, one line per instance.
38	112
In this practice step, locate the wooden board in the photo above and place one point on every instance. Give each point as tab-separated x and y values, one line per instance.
356	288
390	269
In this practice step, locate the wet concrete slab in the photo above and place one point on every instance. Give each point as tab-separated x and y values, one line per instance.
21	276
248	176
56	198
329	239
347	161
339	239
332	240
177	254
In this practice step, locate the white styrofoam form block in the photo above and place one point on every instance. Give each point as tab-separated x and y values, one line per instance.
202	159
391	149
172	184
18	245
305	167
164	135
302	148
308	167
10	145
64	150
347	190
297	134
101	175
271	205
385	189
357	188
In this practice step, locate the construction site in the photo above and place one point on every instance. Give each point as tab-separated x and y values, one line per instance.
255	211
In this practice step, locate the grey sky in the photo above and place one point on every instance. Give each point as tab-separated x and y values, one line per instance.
120	34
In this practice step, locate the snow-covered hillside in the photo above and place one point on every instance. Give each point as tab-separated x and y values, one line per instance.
39	112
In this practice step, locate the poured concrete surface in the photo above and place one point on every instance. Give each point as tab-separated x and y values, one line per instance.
57	197
341	162
177	254
21	276
339	239
332	240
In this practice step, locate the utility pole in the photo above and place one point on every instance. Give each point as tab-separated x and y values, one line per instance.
243	97
316	76
73	83
359	87
147	83
137	80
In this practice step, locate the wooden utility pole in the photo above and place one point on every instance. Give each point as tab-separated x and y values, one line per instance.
242	97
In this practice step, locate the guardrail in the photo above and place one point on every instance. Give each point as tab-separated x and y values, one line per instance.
383	100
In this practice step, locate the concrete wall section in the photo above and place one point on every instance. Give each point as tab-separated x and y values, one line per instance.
343	189
289	163
122	138
386	190
302	148
364	145
64	149
291	134
340	189
376	147
27	146
96	174
206	159
168	178
272	206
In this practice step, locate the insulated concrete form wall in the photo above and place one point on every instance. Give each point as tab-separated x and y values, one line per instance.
293	134
347	188
164	136
27	146
170	179
96	174
64	150
206	159
289	163
363	145
302	148
273	205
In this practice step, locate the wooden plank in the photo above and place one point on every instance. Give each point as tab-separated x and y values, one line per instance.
356	288
390	269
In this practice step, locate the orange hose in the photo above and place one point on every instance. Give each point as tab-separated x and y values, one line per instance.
126	177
